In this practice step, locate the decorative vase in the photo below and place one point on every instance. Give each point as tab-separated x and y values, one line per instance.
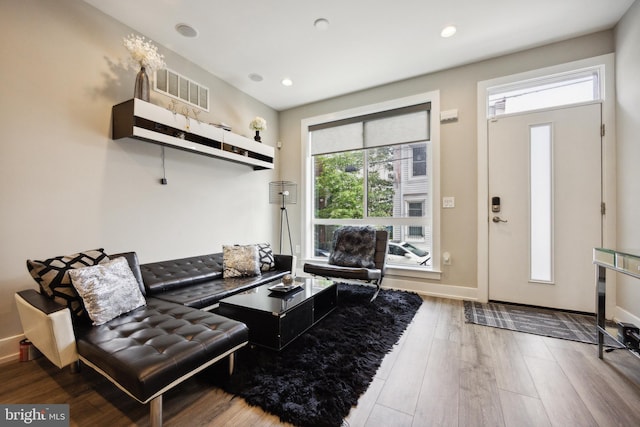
257	137
141	90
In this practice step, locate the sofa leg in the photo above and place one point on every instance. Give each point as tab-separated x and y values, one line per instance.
155	412
232	363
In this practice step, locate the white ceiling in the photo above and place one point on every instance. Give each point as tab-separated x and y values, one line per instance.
368	42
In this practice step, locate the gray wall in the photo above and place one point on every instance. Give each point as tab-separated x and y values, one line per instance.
66	186
627	39
458	88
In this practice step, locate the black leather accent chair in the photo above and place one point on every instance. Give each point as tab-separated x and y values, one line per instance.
360	274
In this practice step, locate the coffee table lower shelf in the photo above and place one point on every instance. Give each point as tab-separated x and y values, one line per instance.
275	320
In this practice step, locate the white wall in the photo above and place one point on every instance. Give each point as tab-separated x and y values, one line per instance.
627	39
65	186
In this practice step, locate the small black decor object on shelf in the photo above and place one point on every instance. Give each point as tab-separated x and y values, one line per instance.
257	137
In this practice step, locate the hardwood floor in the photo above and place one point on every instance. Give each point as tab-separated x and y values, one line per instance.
443	372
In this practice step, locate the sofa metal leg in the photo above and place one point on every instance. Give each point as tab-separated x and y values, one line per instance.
232	363
155	412
74	367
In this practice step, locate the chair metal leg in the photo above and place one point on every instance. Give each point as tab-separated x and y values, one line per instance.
375	295
155	412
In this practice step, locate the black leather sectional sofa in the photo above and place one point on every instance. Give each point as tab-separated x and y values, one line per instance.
197	281
152	348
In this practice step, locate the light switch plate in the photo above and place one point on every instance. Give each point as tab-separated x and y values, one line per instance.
448	202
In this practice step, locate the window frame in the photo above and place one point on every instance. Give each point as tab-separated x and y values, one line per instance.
307	222
541	83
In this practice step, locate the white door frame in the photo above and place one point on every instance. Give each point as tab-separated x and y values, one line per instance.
608	164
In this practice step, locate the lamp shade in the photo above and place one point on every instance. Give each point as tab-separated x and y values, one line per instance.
283	192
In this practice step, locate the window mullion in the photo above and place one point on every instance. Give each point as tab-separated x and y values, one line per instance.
365	181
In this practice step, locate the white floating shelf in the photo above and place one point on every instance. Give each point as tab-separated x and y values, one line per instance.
148	122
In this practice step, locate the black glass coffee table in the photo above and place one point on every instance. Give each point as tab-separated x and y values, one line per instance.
275	317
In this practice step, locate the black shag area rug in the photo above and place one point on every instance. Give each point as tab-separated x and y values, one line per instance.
535	320
316	379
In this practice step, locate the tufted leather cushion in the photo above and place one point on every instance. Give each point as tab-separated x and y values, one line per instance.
356	273
150	347
206	294
167	275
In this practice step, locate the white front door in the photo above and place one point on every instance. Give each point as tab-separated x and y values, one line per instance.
545	168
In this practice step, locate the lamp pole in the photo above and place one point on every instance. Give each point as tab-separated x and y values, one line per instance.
285	215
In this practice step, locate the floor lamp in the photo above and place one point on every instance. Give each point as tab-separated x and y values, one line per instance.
283	193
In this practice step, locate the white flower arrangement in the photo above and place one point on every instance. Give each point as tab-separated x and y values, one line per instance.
258	124
143	53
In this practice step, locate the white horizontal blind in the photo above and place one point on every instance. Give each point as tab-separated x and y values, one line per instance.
335	139
397	130
398	126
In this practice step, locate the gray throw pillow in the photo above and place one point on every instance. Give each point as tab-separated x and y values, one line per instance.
107	290
354	246
240	261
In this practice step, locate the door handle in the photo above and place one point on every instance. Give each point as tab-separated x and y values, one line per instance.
497	219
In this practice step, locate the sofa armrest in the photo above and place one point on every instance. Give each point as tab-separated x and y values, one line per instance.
48	326
284	262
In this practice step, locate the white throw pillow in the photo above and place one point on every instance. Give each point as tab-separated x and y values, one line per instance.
107	290
265	255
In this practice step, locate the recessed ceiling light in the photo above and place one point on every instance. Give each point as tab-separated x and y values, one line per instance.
448	31
186	30
287	82
255	77
321	24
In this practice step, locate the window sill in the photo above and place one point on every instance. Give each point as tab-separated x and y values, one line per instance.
414	273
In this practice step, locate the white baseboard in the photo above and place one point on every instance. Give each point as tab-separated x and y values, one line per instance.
621	315
432	289
10	348
424	288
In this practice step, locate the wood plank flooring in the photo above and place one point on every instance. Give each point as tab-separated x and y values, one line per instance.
443	372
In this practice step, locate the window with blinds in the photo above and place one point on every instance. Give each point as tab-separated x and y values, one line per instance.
373	169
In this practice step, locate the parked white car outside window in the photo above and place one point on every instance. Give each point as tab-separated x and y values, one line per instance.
406	253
